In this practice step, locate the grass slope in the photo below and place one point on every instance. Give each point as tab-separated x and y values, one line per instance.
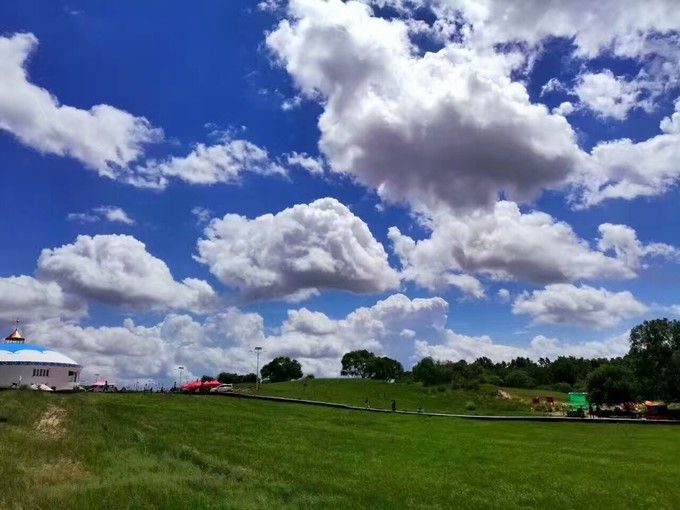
173	451
409	396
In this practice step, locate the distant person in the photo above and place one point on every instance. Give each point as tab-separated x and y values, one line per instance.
591	411
366	403
394	405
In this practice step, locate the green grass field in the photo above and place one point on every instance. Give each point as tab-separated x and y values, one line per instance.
192	452
411	396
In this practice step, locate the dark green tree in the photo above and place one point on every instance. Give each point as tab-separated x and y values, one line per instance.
227	377
610	384
385	368
565	370
519	379
357	363
655	358
282	369
427	371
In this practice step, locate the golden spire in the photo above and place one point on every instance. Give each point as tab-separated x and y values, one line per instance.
15	336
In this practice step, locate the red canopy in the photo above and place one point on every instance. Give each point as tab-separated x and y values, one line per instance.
198	385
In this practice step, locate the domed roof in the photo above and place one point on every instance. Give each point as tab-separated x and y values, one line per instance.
29	353
14	350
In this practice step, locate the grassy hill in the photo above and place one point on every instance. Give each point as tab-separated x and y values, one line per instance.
176	451
410	396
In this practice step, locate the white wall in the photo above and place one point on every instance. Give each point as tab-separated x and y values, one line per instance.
58	375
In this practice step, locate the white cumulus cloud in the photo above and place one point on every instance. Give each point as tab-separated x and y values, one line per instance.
103	138
562	303
296	252
503	244
118	270
28	299
411	126
208	164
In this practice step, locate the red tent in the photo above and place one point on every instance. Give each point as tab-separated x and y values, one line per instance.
197	385
210	384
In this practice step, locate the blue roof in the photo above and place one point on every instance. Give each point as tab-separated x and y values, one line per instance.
14	347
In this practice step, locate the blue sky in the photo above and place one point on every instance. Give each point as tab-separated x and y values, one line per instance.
335	83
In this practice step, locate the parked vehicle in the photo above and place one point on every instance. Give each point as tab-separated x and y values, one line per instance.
222	388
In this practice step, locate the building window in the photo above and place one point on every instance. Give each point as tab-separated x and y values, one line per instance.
41	372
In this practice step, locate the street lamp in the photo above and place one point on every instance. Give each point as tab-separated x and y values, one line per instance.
257	350
180	368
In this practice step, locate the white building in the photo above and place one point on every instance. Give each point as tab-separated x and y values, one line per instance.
25	364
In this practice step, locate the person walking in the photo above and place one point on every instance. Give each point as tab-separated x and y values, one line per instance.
394	405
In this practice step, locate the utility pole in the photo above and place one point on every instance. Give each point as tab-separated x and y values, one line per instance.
257	350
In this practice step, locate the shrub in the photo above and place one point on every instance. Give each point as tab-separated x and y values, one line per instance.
562	387
519	379
470	406
493	379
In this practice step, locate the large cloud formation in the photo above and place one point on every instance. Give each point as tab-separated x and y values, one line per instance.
506	244
455	127
412	126
297	251
118	270
103	138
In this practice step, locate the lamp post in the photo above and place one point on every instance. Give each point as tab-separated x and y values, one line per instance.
180	368
257	350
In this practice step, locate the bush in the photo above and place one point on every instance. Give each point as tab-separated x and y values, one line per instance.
493	379
470	406
562	387
519	379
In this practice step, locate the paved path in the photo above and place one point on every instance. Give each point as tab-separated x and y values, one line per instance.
552	419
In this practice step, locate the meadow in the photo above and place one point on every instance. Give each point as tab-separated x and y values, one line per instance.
411	396
183	451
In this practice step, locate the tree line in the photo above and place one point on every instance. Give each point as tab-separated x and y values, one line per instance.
650	370
279	369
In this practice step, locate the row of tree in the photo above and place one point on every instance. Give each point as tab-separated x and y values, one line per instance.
650	370
279	369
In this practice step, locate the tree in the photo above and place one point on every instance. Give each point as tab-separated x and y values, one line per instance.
205	378
655	358
427	371
385	368
227	377
519	379
357	363
610	384
565	370
282	369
